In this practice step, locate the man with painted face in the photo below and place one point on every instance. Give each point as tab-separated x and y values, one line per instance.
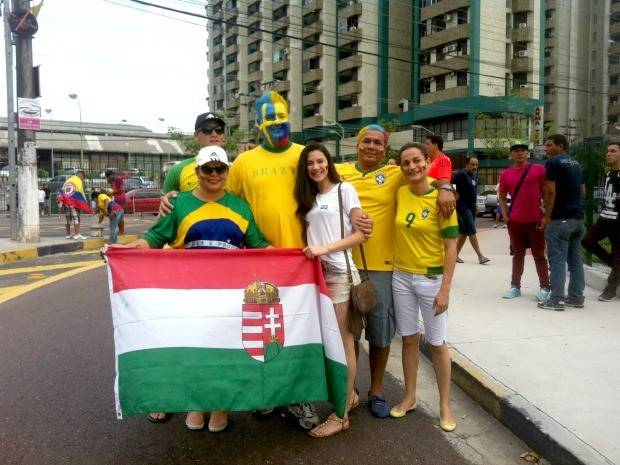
265	178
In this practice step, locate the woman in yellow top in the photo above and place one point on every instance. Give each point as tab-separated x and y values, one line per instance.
423	270
112	210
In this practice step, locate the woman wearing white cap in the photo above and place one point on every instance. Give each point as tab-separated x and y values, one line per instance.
198	222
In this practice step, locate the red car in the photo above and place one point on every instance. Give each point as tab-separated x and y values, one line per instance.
144	200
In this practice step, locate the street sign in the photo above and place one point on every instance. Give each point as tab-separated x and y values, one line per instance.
29	113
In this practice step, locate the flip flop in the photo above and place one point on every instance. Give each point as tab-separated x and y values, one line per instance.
458	260
484	260
153	419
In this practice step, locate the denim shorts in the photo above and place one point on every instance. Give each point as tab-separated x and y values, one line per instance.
338	282
467	222
380	322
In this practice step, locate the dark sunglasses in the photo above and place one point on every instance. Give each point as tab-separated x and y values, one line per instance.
218	130
219	169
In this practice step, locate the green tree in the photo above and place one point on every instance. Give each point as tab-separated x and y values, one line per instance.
191	145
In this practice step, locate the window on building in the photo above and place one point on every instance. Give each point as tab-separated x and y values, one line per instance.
231	40
549	14
310	64
461	78
280	34
311	18
217	7
231	5
519	80
217	57
548	52
549	33
253	8
424	87
547	70
217	25
218	105
440	83
230	59
253	28
280	13
217	72
461	15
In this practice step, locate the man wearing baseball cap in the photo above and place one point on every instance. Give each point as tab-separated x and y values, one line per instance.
525	183
209	130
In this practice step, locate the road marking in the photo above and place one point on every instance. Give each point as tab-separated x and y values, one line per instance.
33	269
31	287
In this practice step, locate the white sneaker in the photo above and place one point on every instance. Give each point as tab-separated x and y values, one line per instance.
79	237
69	236
505	226
495	226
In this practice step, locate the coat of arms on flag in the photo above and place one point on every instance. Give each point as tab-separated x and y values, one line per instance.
263	321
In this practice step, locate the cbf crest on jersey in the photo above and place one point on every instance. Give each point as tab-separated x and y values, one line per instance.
263	321
380	178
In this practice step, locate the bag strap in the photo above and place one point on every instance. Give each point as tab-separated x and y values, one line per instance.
346	255
514	196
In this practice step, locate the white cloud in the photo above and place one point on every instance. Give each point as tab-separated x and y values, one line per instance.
125	61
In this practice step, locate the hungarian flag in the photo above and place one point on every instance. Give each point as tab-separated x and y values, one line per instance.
72	194
203	330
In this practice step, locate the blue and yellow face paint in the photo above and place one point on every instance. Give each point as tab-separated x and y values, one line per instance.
273	120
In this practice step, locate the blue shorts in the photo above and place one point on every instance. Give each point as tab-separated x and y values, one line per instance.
381	322
467	223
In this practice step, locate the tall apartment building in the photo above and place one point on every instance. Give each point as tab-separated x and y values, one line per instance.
430	64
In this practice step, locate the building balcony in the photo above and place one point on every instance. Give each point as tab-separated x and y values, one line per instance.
443	7
550	97
614	109
522	34
439	95
348	37
313	99
614	29
218	80
230	14
522	65
232	68
284	21
234	48
256	15
313	121
437	69
312	76
312	29
550	80
452	34
312	6
281	65
217	49
350	113
551	23
551	42
233	120
255	76
614	49
232	103
550	5
215	33
256	56
232	29
283	42
614	9
550	61
315	50
282	86
218	96
353	8
522	5
614	69
352	87
354	61
614	90
523	92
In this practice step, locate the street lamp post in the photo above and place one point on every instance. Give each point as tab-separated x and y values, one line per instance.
417	126
340	135
49	112
75	97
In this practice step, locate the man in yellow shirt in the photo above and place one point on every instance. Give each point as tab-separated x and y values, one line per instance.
376	186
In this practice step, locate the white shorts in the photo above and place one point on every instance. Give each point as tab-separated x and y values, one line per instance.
414	294
338	282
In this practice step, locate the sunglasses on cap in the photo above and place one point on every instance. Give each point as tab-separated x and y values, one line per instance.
219	130
219	169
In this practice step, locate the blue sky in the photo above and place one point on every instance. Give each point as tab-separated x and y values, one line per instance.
125	61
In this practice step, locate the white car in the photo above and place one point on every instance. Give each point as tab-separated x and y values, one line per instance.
4	172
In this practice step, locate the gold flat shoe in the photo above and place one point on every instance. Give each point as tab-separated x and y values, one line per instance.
397	413
447	426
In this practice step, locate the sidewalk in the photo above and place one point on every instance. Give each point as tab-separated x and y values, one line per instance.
551	377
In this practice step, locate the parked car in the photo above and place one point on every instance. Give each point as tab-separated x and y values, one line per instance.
4	172
481	203
72	171
144	200
138	182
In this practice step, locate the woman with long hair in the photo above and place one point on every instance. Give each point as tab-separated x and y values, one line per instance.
423	268
316	192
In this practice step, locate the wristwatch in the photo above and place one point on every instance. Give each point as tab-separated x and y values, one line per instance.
448	187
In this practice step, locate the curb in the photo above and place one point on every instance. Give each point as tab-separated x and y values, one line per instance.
51	249
541	432
595	277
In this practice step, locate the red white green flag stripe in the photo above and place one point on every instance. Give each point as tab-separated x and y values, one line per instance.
222	330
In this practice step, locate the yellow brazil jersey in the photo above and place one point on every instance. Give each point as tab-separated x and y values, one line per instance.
420	232
376	190
182	176
266	180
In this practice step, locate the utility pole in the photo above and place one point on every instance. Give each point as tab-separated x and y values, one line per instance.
24	26
10	118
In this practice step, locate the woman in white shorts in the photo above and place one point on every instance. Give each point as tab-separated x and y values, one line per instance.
316	192
423	269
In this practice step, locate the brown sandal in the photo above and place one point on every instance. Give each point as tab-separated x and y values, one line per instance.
344	425
355	400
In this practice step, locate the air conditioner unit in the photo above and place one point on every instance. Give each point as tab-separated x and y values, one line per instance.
447	18
523	86
522	53
431	79
318	88
351	2
286	51
354	104
450	48
522	25
452	74
352	28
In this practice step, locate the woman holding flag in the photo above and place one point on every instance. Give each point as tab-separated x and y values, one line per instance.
317	190
72	199
207	217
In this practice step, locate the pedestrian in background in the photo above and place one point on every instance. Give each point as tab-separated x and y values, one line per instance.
73	200
524	182
41	200
423	270
441	165
563	221
466	182
607	225
117	191
111	209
